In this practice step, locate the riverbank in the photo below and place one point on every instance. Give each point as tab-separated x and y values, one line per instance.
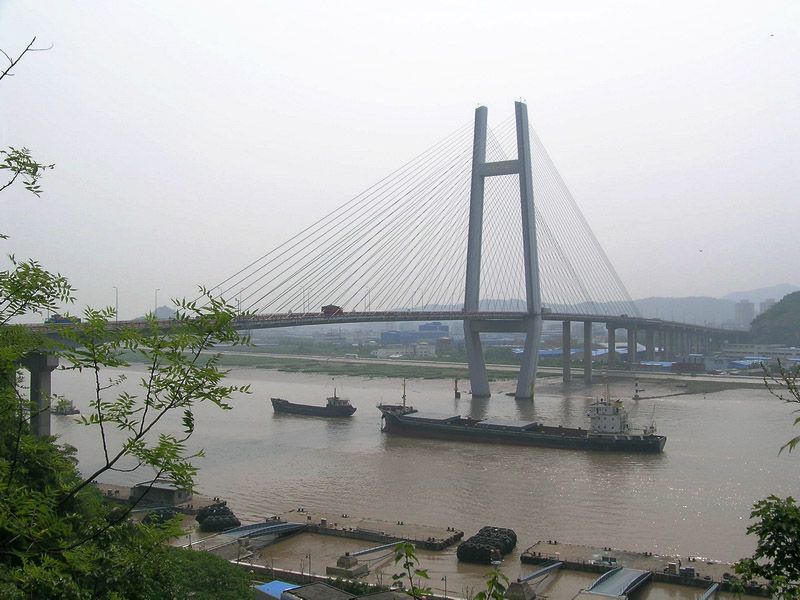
362	544
439	369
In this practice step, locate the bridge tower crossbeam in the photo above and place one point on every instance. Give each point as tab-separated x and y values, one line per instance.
531	324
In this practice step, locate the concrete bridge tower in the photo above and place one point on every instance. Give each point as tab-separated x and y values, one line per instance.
531	324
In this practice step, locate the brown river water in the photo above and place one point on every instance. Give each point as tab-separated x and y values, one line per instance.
694	499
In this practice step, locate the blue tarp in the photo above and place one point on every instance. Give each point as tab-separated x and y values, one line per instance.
743	364
553	352
657	363
274	589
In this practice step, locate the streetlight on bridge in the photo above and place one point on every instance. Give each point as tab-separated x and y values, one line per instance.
116	303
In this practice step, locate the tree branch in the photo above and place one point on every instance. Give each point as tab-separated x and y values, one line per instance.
28	48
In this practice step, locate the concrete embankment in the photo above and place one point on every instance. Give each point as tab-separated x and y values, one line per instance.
691	571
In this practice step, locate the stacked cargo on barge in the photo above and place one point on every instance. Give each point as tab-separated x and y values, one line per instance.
609	429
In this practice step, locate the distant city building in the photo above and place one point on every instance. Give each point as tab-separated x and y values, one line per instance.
444	345
437	327
424	350
745	312
425	332
766	305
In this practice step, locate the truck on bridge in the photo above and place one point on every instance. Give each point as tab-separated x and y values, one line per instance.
331	310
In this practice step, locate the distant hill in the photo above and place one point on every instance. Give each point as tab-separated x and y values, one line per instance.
780	324
693	309
758	295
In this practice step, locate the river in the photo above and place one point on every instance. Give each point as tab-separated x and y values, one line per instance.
693	499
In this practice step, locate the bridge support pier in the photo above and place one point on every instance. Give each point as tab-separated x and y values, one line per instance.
566	351
40	365
476	361
650	343
669	344
587	352
632	343
612	344
530	358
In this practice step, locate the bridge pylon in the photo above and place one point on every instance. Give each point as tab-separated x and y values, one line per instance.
531	323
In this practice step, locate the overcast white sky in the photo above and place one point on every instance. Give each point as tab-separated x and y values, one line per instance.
190	137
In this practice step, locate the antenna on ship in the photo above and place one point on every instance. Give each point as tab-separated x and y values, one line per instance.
333	381
404	393
653	419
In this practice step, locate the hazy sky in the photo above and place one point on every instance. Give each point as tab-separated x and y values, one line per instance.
190	137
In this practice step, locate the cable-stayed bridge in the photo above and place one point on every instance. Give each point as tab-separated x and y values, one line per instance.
479	228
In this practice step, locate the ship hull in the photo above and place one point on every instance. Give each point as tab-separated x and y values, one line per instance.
279	405
548	437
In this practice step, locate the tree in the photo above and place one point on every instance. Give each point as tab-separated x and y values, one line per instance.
58	538
777	556
405	554
784	386
18	161
496	585
777	526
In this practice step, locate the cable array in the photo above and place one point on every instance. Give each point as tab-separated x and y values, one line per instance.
401	244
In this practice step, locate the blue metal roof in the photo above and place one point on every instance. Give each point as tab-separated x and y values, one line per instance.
275	589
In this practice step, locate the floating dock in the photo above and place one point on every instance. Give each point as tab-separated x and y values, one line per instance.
374	530
692	571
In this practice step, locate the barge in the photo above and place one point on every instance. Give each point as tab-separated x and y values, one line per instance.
335	407
609	429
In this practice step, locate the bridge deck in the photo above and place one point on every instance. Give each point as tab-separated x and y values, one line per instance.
270	321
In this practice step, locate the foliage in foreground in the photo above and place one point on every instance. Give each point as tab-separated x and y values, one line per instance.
777	520
777	556
58	538
784	385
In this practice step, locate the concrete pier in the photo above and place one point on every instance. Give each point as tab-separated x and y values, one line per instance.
650	343
587	352
632	343
601	560
41	366
612	344
566	351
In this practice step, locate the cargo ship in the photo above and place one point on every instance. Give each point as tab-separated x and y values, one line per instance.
335	407
608	430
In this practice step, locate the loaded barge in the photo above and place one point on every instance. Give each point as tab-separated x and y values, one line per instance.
609	429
